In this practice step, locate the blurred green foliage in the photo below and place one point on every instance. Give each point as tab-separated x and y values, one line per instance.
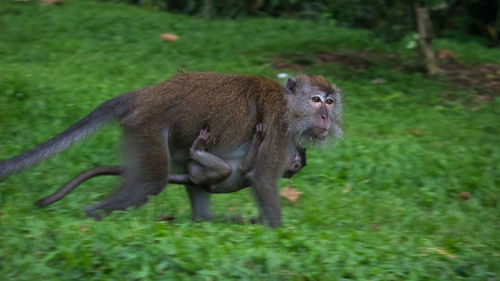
390	20
383	204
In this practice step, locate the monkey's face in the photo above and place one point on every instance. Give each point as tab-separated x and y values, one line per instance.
296	163
322	105
314	108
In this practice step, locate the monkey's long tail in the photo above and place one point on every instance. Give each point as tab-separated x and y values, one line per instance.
70	186
103	114
95	172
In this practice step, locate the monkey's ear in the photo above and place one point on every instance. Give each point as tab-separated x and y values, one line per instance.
291	84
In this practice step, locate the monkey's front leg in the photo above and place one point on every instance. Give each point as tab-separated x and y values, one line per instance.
264	178
265	191
200	203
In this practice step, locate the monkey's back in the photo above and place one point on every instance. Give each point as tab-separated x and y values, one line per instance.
229	105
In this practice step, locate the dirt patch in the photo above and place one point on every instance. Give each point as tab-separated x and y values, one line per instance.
359	61
483	80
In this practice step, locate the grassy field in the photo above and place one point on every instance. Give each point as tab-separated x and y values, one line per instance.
411	193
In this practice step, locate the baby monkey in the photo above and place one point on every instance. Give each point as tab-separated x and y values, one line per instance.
205	170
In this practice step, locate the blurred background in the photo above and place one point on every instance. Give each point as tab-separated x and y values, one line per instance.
389	20
411	193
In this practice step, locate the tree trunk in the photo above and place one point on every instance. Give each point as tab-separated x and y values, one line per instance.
425	34
207	9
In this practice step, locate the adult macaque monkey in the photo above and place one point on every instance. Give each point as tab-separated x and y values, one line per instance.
169	116
205	170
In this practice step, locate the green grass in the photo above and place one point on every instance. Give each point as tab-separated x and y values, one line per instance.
383	204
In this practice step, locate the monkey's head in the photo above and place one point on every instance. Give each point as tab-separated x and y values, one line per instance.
296	163
314	108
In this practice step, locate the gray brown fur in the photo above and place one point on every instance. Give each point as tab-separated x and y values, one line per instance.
206	170
168	116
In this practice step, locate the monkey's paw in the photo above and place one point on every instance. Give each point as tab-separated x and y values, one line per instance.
201	141
259	128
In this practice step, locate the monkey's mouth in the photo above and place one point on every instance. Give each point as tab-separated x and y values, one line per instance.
320	132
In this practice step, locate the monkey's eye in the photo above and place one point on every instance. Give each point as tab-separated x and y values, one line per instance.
316	99
329	101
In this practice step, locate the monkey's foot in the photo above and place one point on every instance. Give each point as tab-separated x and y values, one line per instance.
257	220
238	219
97	211
202	218
93	214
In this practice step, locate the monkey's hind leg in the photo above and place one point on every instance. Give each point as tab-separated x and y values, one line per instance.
145	175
